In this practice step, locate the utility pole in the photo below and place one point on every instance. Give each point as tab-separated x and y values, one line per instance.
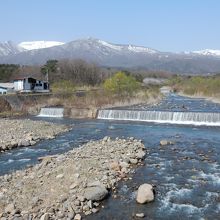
47	75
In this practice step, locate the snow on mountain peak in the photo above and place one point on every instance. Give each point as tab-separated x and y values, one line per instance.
139	49
33	45
112	46
9	48
208	52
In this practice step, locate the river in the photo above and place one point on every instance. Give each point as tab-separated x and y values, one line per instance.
186	174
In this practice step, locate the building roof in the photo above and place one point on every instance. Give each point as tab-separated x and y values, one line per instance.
7	85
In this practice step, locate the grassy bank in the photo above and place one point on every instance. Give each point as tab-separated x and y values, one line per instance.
197	86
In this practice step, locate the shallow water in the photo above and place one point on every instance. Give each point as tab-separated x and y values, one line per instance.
186	174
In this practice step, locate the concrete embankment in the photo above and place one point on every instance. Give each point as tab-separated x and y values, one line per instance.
25	132
70	185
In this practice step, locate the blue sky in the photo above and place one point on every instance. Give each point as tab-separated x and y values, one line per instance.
166	25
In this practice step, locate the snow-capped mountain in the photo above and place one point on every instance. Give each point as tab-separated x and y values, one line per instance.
207	52
9	48
35	45
132	48
111	55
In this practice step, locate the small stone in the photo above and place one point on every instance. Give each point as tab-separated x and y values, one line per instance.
96	193
9	208
86	208
96	204
133	161
77	217
164	142
124	164
140	215
89	203
88	212
73	186
60	176
77	203
115	166
45	216
140	154
70	215
94	210
81	198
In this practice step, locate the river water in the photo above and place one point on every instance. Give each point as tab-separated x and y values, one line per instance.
186	174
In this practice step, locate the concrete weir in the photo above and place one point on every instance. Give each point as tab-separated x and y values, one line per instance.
51	112
195	118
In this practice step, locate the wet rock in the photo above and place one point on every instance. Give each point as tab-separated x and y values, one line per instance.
164	142
140	215
145	193
96	193
140	154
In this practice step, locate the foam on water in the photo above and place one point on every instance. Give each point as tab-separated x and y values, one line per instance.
215	178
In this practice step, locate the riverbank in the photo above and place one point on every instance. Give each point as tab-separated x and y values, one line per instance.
25	132
213	99
70	185
81	104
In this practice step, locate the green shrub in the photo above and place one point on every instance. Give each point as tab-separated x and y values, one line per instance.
121	84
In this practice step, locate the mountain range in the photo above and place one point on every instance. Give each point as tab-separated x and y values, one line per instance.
111	55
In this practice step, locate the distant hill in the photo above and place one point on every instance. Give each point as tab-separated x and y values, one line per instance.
111	55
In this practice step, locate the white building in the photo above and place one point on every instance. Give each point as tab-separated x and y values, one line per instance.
30	84
6	88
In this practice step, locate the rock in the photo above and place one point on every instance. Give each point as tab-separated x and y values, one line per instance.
85	208
94	183
96	193
140	215
133	161
115	166
24	143
88	212
96	204
89	203
73	186
140	154
77	217
164	142
145	193
77	203
81	198
71	215
10	208
94	210
60	176
124	164
45	216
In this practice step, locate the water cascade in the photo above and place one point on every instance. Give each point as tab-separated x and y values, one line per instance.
196	118
51	112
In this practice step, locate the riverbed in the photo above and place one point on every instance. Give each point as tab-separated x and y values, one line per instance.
186	173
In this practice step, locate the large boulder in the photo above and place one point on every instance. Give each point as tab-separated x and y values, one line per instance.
145	193
95	193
